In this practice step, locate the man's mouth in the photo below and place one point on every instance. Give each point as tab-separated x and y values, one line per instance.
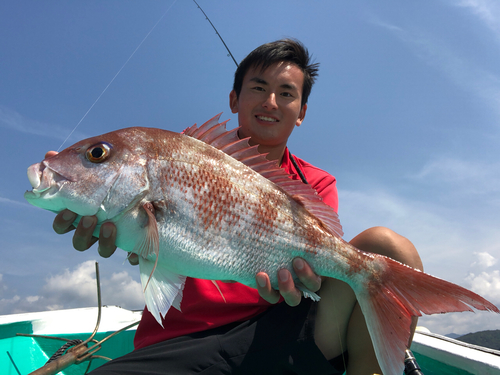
266	118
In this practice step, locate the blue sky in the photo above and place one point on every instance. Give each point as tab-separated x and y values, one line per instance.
405	113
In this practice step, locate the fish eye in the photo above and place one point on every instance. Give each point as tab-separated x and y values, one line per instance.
98	153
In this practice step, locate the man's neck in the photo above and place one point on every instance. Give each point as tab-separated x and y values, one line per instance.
273	153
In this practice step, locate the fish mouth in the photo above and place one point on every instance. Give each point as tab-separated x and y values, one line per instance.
43	179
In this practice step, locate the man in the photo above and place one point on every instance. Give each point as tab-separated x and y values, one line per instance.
246	333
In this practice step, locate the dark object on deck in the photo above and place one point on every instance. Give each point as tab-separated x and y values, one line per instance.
411	365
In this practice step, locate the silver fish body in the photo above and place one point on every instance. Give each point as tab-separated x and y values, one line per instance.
205	204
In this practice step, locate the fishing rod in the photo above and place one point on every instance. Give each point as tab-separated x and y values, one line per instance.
220	37
292	159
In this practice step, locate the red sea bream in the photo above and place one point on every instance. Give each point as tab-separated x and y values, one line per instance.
205	204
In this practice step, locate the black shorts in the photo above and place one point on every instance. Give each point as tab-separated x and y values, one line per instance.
278	341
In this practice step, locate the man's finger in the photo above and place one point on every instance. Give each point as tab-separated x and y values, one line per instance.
63	222
107	239
50	154
133	259
83	239
287	288
265	289
306	275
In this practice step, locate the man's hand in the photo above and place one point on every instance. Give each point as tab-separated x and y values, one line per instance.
287	288
83	238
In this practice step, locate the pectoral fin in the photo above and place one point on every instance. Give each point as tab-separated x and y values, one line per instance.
150	242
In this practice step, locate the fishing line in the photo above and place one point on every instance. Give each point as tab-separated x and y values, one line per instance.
116	75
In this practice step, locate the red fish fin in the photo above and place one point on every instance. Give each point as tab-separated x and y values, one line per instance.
402	292
164	289
216	135
220	291
307	293
150	243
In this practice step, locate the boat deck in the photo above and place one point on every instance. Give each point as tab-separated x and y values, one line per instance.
20	355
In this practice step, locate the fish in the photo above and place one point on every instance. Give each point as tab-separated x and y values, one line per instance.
206	204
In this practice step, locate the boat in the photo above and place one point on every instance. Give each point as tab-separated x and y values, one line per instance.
437	354
29	340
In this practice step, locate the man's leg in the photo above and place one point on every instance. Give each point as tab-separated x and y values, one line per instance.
341	324
278	341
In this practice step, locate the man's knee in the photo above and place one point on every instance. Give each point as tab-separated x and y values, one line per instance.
384	241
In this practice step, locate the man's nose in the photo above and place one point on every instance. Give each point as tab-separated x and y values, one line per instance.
270	102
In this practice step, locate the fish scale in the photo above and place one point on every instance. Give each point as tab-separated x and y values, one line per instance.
264	224
206	204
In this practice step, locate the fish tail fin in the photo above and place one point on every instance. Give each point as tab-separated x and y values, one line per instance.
389	302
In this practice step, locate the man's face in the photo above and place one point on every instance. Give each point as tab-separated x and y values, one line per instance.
269	106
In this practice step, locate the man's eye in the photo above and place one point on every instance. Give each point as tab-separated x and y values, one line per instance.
286	94
258	88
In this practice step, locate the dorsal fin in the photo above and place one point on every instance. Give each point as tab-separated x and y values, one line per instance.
215	134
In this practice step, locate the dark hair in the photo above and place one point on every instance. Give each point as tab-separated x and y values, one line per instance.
289	50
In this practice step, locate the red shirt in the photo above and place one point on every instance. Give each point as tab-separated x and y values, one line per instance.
203	306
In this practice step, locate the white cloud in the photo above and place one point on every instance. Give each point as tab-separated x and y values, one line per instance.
487	10
484	260
486	284
465	176
73	287
77	288
13	120
123	291
15	203
482	279
7	305
31	299
460	323
451	244
440	55
434	229
3	287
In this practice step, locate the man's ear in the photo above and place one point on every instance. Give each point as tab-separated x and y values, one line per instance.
233	101
302	114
